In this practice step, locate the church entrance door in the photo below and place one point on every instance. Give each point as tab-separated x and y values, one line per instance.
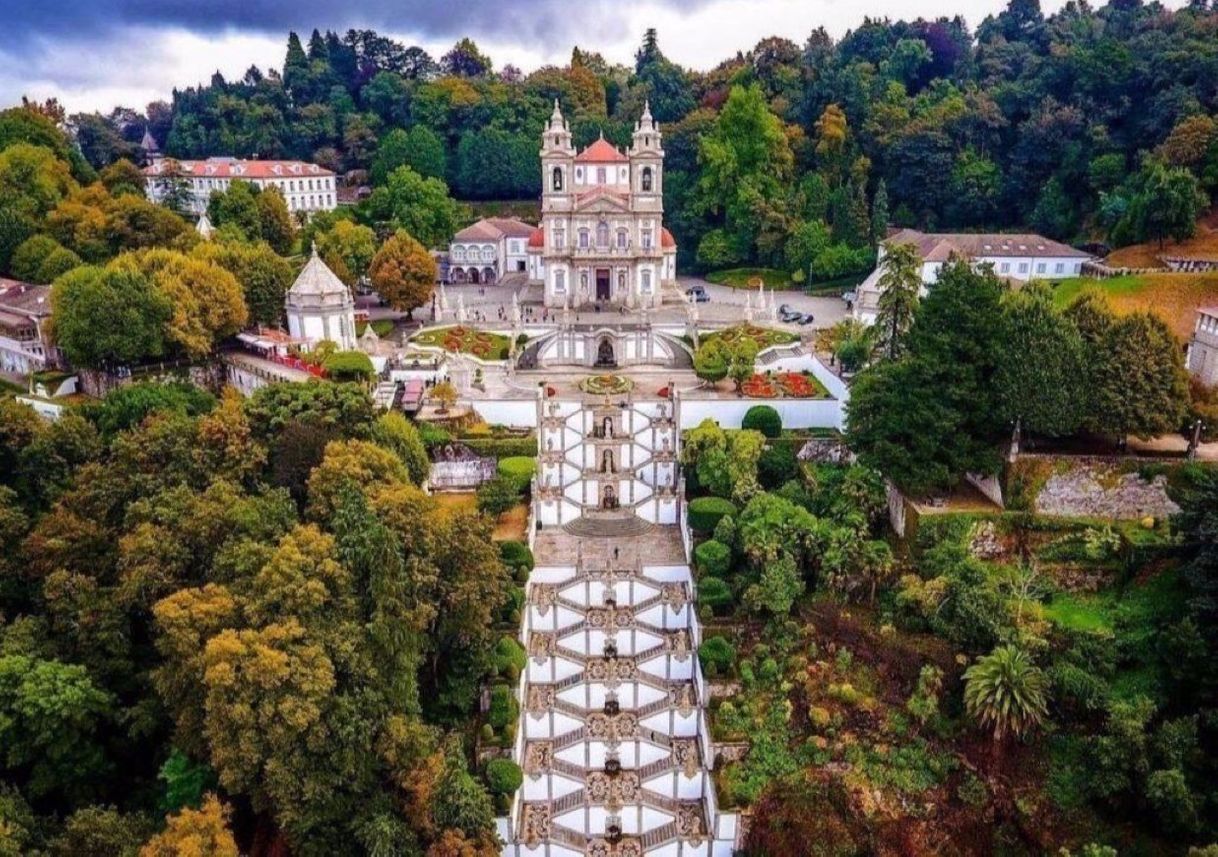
604	355
602	284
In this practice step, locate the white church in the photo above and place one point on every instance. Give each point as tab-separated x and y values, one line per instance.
602	237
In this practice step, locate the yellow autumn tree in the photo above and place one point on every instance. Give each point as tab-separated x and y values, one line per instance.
200	832
403	272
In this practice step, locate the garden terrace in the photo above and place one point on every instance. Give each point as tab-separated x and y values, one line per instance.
460	339
762	337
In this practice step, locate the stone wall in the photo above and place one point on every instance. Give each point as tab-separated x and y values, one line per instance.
1102	488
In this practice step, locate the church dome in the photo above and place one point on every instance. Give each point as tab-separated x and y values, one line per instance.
317	285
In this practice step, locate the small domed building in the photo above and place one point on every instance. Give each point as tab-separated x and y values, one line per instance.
319	306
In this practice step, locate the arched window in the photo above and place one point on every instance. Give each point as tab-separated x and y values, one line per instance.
602	234
621	239
583	239
647	178
556	179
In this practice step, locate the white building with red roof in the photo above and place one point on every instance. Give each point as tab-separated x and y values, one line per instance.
602	237
486	251
306	187
1018	257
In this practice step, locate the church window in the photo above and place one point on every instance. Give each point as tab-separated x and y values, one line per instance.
600	175
646	282
583	239
560	238
560	281
556	179
602	234
621	239
646	239
647	178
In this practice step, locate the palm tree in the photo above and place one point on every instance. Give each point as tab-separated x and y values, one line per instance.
900	281
1006	691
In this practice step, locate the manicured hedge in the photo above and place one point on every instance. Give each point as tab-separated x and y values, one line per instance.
508	654
516	555
717	656
518	469
502	447
503	776
705	512
713	558
764	419
503	707
715	594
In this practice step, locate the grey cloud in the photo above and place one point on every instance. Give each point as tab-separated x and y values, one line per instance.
31	25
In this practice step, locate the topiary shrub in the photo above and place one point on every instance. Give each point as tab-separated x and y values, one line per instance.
487	732
764	419
503	776
713	592
717	656
706	512
516	555
713	558
725	531
502	709
518	469
777	466
508	654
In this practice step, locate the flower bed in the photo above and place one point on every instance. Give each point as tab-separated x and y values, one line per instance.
784	385
606	385
762	337
466	340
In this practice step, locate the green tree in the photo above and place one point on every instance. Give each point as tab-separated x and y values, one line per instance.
1167	204
900	283
274	220
264	275
400	436
1006	693
1142	386
237	207
745	163
1046	393
420	148
106	317
420	206
348	249
51	716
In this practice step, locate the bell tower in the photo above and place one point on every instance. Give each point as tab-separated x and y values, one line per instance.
647	164
557	161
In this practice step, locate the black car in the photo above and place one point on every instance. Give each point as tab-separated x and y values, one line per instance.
698	293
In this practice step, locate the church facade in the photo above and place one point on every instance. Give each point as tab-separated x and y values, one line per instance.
602	238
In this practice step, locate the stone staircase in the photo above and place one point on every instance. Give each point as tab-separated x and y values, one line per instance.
608	526
611	811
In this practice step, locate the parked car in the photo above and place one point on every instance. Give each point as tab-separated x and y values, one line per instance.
790	315
698	293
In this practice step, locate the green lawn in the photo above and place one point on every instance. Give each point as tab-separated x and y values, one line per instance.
738	278
382	327
1068	289
1081	612
1136	608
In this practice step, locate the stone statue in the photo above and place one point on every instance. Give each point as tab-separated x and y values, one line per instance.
443	300
462	316
515	310
748	306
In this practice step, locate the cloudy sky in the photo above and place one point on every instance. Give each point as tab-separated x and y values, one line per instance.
95	54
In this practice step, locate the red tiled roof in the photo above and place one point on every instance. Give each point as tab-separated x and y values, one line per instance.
235	168
666	239
494	228
538	238
601	152
939	246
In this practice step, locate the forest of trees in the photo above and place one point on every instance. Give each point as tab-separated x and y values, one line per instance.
1090	123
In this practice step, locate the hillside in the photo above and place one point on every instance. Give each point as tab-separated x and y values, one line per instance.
1203	245
1173	297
